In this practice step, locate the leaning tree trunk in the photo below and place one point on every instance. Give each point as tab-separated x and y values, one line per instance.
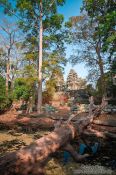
32	159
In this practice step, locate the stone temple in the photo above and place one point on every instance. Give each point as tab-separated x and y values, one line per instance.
73	87
74	82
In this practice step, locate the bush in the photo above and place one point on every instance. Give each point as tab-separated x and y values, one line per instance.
22	89
5	102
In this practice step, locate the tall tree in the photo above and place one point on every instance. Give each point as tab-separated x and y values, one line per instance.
103	12
39	104
9	35
42	27
88	48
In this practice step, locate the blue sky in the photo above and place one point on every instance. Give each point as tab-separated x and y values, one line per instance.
72	8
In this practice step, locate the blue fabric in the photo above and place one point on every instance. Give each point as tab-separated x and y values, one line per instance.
82	148
66	156
94	148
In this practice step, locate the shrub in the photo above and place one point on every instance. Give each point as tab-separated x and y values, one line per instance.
5	101
22	89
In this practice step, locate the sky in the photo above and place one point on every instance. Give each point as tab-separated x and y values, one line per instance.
72	8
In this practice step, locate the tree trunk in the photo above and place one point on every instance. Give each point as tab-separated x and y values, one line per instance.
7	74
103	84
29	160
101	68
39	104
104	128
97	133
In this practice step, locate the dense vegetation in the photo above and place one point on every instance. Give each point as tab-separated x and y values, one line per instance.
20	52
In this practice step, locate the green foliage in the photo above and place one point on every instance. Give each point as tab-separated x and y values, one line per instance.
21	92
2	94
54	22
51	85
5	101
53	34
83	35
113	67
23	88
2	60
90	90
28	12
110	86
7	6
104	13
95	33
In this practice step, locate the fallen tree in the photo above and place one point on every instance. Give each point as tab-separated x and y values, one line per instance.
96	133
32	159
28	124
109	122
103	128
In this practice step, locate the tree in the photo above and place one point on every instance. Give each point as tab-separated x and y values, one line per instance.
54	83
29	14
2	94
88	48
39	104
103	12
90	90
5	101
60	83
2	62
24	87
9	35
36	21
